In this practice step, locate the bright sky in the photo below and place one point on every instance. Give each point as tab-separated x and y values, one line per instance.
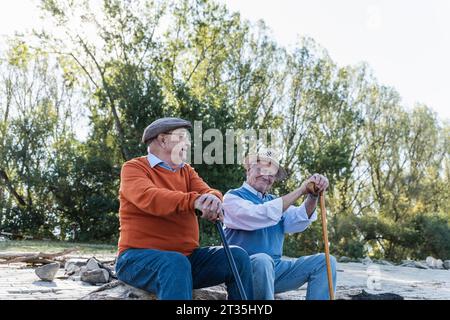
406	42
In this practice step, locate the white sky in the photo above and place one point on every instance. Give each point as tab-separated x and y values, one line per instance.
406	42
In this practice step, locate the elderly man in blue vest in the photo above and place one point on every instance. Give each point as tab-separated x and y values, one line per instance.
257	221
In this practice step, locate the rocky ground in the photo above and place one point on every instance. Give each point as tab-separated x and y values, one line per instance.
413	280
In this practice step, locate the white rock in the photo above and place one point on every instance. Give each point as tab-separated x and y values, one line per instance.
366	260
345	259
430	261
47	272
434	263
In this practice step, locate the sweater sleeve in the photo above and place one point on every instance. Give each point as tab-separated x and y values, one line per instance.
200	186
141	192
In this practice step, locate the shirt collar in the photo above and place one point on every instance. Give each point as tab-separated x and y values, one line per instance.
155	161
253	190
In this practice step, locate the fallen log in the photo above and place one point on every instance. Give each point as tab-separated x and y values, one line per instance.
118	290
33	257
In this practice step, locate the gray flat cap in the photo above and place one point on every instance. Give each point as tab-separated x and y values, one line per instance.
163	125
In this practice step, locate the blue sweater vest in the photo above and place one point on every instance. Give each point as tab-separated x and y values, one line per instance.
266	240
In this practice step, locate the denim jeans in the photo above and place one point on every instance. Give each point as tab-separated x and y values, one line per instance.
172	276
274	276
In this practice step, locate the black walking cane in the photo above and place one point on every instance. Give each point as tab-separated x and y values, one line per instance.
229	255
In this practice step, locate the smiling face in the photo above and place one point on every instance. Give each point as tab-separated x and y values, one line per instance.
261	175
178	143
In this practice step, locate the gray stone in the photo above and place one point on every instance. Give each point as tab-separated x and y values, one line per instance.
345	259
92	264
420	265
47	272
447	264
408	263
366	260
95	276
73	269
414	264
384	262
75	278
77	262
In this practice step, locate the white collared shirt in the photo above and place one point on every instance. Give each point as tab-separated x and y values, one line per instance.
243	214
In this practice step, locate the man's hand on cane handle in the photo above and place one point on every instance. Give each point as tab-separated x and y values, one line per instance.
316	184
210	206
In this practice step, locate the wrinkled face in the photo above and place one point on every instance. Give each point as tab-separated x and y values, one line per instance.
262	175
177	143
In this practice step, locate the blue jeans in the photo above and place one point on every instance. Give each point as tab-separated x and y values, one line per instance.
172	276
274	276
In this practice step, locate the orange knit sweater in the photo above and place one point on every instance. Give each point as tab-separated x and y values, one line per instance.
157	207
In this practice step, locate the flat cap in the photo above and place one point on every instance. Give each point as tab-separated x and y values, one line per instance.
163	125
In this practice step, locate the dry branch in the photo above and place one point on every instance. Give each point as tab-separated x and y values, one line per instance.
32	257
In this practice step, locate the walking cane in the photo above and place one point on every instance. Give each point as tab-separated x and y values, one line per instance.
312	189
230	258
231	262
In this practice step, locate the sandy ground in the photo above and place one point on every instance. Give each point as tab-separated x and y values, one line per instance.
20	282
410	283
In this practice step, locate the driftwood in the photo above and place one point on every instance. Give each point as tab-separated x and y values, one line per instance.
118	290
32	257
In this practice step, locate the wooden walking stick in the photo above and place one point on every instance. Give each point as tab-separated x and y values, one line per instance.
325	240
312	189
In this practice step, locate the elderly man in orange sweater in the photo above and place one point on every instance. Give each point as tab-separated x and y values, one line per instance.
159	234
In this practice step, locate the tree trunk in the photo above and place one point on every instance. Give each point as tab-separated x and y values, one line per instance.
11	189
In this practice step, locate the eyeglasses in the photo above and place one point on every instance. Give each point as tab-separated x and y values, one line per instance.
181	136
269	172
